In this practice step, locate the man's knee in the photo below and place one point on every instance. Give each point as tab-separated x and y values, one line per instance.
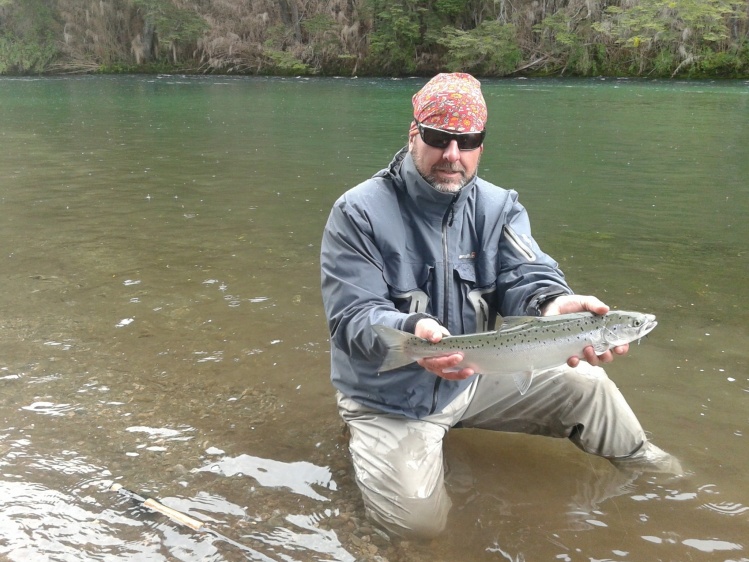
414	517
599	417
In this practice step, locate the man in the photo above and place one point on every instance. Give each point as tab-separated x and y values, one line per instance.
427	247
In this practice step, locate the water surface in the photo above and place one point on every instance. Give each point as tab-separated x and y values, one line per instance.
161	324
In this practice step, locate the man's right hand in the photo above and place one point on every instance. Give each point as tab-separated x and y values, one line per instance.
433	332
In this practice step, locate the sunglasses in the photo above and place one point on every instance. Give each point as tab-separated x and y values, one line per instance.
441	139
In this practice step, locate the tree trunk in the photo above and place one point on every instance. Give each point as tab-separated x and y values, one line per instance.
290	17
148	41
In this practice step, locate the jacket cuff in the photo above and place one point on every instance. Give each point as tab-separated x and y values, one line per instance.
410	324
542	297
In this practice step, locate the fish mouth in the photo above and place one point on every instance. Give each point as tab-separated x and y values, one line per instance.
649	325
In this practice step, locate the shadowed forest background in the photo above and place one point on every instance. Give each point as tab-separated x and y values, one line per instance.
663	38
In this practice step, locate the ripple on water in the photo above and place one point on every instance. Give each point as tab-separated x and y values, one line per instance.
49	408
727	508
307	535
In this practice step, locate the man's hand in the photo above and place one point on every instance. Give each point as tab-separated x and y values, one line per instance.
432	331
567	304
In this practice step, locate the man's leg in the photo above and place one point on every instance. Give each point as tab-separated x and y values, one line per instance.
582	404
398	465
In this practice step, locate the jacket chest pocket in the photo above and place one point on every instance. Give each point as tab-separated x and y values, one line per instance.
408	286
478	298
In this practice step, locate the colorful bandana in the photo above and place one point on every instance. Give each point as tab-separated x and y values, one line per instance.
452	102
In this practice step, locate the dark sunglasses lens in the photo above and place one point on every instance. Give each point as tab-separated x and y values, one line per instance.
440	139
435	137
470	141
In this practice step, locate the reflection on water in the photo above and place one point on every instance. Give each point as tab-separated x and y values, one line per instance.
297	477
161	324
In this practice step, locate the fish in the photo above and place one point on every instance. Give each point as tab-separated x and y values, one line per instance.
523	346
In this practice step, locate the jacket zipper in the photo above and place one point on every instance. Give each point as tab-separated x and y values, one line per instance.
447	222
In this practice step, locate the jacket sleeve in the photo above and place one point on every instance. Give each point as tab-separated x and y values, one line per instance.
355	294
528	277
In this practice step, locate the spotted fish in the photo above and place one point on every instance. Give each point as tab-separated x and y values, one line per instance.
524	345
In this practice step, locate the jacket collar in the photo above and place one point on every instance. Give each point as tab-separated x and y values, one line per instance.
403	171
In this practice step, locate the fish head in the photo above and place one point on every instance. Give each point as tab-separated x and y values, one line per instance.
622	327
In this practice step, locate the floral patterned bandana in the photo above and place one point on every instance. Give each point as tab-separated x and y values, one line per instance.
452	102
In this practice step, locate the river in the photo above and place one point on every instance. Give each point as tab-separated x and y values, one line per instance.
161	323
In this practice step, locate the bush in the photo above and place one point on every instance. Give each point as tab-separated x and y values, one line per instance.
723	64
490	49
25	57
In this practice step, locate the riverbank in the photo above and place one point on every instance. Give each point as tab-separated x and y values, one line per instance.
645	38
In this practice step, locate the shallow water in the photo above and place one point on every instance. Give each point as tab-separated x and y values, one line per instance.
161	323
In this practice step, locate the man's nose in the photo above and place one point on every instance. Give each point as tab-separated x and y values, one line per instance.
451	152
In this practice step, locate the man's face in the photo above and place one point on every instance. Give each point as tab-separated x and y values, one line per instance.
447	169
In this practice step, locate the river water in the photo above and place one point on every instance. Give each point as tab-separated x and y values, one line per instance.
161	324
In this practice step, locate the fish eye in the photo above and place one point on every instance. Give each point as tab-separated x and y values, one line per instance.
637	323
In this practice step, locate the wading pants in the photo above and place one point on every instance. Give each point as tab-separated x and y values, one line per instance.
398	461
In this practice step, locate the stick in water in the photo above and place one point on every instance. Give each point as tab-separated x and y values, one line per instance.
153	505
183	519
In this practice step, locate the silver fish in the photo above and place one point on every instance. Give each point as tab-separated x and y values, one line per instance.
524	345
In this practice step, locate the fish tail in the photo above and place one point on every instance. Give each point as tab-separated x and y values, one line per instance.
395	341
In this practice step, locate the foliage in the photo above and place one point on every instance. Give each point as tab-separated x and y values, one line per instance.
449	8
324	40
396	35
286	63
723	64
705	38
668	21
174	25
560	40
279	59
490	49
319	25
18	56
27	37
679	32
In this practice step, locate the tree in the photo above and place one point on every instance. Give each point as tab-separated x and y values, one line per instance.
396	35
290	17
490	49
172	25
671	33
27	31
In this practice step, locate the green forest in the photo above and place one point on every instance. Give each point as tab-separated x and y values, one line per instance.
488	38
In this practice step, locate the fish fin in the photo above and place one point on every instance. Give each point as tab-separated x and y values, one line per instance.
601	347
395	341
599	343
523	381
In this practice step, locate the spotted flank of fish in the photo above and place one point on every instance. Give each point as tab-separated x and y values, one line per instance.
524	345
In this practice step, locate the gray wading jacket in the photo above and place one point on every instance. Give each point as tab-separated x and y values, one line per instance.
395	247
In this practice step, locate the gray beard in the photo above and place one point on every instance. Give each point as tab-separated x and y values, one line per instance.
432	180
446	187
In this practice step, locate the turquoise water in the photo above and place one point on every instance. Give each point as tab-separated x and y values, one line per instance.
161	323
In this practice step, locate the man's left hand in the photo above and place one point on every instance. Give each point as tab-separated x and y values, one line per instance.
442	366
568	304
